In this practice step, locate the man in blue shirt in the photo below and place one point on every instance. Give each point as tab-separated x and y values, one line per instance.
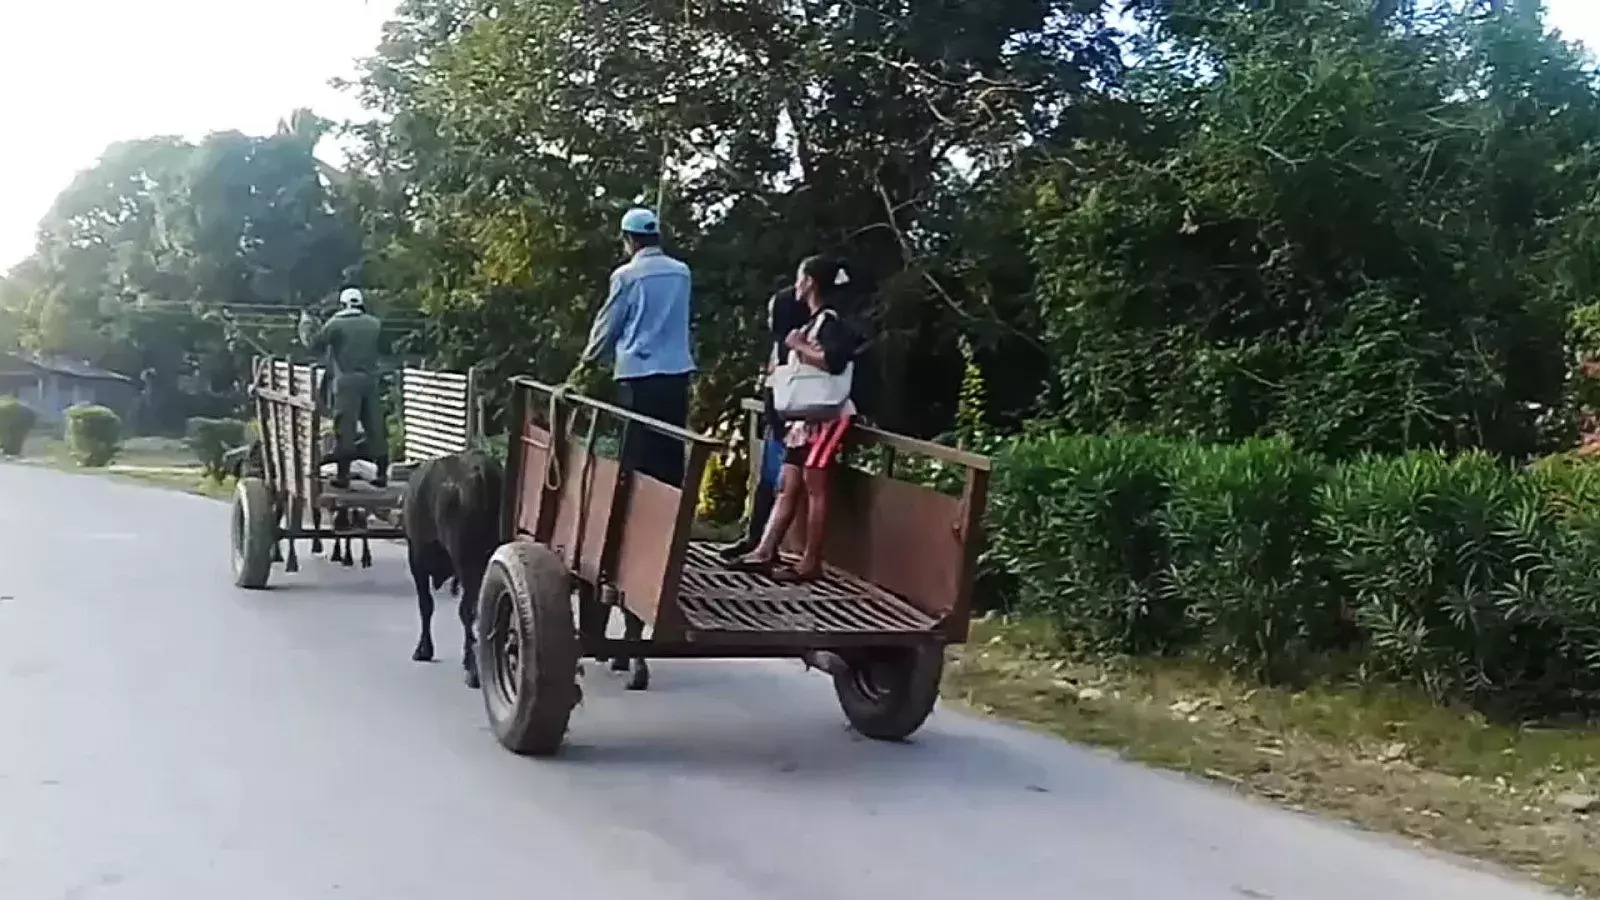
644	324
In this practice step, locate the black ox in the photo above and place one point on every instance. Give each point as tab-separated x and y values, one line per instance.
451	517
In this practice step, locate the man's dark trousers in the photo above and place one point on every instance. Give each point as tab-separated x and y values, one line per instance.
664	398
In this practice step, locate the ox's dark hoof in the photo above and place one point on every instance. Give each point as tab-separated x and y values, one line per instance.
423	653
619	664
471	678
639	680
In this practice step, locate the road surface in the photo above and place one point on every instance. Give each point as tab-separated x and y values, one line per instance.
164	736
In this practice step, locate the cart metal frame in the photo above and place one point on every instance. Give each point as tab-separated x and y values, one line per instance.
440	414
900	559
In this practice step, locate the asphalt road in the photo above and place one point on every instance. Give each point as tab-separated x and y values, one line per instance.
164	736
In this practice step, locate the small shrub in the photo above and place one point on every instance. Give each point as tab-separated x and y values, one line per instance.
1451	565
16	421
498	446
1246	564
210	439
94	434
723	487
1075	522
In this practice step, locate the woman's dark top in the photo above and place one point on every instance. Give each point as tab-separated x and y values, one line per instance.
788	313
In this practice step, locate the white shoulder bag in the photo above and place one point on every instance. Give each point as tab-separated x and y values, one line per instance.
803	391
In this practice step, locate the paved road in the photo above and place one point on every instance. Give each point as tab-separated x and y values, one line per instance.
165	737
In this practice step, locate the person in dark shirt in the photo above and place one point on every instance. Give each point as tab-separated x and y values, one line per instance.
811	447
785	313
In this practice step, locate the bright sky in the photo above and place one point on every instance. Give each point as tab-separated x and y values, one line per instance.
76	75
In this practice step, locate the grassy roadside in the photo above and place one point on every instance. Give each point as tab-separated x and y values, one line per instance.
155	461
1525	797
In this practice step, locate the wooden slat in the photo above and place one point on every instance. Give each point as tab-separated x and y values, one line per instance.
453	397
456	431
437	410
442	375
444	445
454	418
437	435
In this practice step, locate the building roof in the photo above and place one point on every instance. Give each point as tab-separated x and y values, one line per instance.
72	368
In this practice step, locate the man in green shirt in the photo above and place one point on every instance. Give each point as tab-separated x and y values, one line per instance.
351	339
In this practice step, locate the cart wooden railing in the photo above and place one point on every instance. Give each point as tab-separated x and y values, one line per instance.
916	542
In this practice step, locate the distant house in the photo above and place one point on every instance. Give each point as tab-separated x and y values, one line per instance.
50	384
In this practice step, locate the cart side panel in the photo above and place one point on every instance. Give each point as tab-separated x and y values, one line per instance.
553	516
644	539
528	482
584	502
645	549
902	537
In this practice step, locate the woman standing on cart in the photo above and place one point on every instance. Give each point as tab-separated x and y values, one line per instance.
785	313
811	446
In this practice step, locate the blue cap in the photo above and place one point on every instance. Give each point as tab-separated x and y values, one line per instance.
640	221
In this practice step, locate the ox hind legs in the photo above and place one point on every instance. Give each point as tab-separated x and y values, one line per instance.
594	617
638	668
419	576
467	612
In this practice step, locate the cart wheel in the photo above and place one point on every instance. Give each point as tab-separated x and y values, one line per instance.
888	692
527	648
254	533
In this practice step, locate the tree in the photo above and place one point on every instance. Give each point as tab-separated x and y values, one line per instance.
139	252
1354	238
513	137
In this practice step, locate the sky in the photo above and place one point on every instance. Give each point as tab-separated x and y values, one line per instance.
77	75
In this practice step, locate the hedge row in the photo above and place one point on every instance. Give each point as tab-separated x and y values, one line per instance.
16	421
94	435
1462	575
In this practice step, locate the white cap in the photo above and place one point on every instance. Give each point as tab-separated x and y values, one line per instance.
350	298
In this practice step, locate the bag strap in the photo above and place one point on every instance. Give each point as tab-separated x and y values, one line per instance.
816	324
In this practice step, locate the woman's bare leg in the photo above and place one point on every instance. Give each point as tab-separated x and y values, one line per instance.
790	489
816	485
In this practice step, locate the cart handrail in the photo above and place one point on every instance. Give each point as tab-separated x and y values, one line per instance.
952	455
561	392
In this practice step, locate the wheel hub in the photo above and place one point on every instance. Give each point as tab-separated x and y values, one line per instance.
505	641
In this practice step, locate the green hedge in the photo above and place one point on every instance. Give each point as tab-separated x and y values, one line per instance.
94	435
210	439
16	421
1464	576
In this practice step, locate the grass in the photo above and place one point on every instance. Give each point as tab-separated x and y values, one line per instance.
163	462
1375	757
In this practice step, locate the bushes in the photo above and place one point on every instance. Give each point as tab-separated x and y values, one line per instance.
16	420
1460	575
1245	568
94	434
1075	522
211	438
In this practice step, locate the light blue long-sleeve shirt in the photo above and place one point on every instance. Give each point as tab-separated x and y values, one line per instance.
645	319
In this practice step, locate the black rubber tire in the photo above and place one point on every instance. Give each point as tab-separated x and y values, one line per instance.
254	531
890	691
527	588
